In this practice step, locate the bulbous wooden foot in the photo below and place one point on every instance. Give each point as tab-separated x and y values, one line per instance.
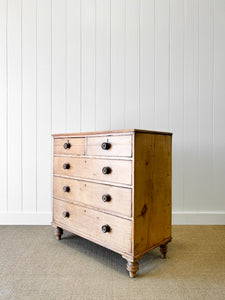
58	233
132	268
163	249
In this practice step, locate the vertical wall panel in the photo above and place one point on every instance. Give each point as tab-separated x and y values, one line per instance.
132	59
44	150
103	65
73	65
219	106
191	104
205	160
177	98
14	106
3	105
147	63
118	12
83	65
162	24
29	105
59	96
88	93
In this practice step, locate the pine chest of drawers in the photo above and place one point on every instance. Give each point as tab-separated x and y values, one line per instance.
114	188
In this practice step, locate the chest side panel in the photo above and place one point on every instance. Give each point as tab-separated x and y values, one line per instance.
152	190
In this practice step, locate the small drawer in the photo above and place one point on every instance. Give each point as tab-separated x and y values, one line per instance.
118	145
102	227
102	196
70	146
108	170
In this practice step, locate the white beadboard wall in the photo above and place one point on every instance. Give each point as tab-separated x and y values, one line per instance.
85	65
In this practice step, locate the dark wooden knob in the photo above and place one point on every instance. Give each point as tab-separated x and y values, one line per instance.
67	145
106	170
106	198
66	166
66	214
66	189
106	146
105	228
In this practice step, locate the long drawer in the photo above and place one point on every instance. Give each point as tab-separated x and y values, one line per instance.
101	227
102	196
116	171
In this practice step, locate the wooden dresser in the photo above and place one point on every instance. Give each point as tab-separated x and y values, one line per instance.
114	188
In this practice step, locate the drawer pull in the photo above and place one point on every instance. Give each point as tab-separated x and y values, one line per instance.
106	198
66	189
106	170
67	145
106	146
105	228
66	214
66	166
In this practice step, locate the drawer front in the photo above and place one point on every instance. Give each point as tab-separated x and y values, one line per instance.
87	168
109	145
89	222
101	196
71	146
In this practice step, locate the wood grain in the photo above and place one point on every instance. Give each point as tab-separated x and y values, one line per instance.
138	213
109	132
88	168
90	222
90	193
77	146
152	196
119	145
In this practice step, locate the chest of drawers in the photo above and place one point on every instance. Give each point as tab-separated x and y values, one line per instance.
114	188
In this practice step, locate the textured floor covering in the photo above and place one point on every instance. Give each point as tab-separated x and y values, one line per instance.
33	265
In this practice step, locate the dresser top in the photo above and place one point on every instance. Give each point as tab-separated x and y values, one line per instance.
110	132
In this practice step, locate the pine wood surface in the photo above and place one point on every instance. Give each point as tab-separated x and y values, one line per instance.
76	148
120	145
90	193
152	194
92	169
90	222
109	132
139	184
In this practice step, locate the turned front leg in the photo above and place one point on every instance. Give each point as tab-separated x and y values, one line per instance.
58	233
163	249
132	268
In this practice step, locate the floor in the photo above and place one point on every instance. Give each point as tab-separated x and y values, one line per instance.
34	265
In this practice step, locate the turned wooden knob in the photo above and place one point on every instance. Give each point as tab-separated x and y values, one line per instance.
105	228
67	145
106	170
106	146
106	198
66	166
66	189
66	214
